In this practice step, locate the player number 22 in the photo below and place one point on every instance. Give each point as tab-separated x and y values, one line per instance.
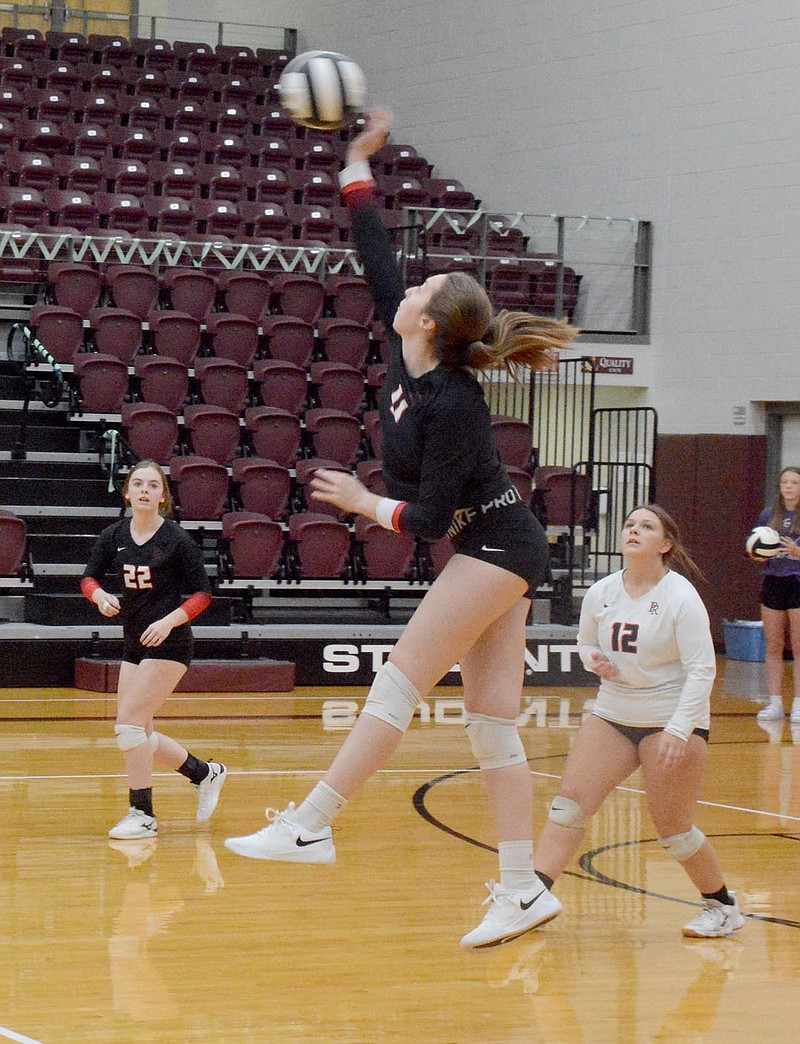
137	577
623	637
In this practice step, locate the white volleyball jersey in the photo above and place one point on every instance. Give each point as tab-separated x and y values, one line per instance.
661	643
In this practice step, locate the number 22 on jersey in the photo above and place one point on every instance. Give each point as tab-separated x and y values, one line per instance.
138	578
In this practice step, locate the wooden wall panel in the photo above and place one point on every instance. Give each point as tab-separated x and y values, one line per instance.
714	486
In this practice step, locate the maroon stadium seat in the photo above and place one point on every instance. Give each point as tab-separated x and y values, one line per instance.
222	383
201	487
322	545
253	545
103	382
514	440
162	380
262	485
134	288
233	337
274	433
175	334
150	430
213	431
74	286
283	384
338	386
288	338
335	435
386	555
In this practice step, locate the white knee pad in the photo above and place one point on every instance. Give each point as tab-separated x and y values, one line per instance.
392	697
683	846
495	741
130	736
567	813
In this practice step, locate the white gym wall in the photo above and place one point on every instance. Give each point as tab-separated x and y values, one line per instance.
683	113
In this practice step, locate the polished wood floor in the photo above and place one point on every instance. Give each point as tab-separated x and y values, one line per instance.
179	940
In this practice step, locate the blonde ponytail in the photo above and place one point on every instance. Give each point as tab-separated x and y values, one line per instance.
468	335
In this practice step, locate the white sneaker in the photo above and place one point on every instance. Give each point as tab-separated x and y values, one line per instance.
770	713
715	920
285	840
774	729
794	717
134	826
208	790
511	913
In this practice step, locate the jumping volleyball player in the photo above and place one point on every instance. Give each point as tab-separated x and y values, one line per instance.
155	560
644	631
444	476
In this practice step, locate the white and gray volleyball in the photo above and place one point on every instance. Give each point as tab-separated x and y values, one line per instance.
764	542
322	89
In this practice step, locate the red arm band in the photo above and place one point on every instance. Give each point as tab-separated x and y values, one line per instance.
88	587
358	194
396	516
196	604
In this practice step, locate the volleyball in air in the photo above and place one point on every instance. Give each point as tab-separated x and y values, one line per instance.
763	543
322	89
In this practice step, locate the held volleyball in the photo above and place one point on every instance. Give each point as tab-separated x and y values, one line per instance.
322	89
763	543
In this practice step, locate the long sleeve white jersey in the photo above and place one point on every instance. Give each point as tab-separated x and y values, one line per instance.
661	643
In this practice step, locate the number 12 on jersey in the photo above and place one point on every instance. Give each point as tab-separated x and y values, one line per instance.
623	637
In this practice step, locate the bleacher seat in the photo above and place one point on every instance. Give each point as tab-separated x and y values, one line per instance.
190	291
150	430
176	334
321	545
222	383
245	293
262	485
162	380
274	433
282	384
102	382
288	338
133	288
514	440
348	297
338	386
233	337
334	434
74	286
385	555
252	545
117	332
201	487
345	341
30	170
59	329
213	431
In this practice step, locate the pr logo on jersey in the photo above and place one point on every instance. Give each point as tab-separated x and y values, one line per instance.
399	404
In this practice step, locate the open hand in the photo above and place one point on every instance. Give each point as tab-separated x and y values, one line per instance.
372	138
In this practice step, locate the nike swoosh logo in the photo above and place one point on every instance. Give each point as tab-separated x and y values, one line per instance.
529	904
485	548
302	843
121	548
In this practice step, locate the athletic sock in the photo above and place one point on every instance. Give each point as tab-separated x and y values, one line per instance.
516	865
776	702
546	880
320	808
722	896
194	769
142	799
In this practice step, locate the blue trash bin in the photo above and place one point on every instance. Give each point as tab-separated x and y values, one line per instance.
744	640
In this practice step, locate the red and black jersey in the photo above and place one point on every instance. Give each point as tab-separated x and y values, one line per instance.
439	453
152	577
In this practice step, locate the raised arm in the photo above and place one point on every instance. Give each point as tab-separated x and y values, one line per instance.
372	240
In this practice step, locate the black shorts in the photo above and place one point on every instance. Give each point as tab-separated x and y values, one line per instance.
780	592
510	537
636	734
178	646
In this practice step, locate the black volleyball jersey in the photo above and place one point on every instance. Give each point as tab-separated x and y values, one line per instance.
154	576
439	453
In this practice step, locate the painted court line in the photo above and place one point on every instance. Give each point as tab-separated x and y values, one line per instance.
423	770
11	1035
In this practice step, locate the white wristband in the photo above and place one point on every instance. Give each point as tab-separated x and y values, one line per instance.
384	512
358	171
